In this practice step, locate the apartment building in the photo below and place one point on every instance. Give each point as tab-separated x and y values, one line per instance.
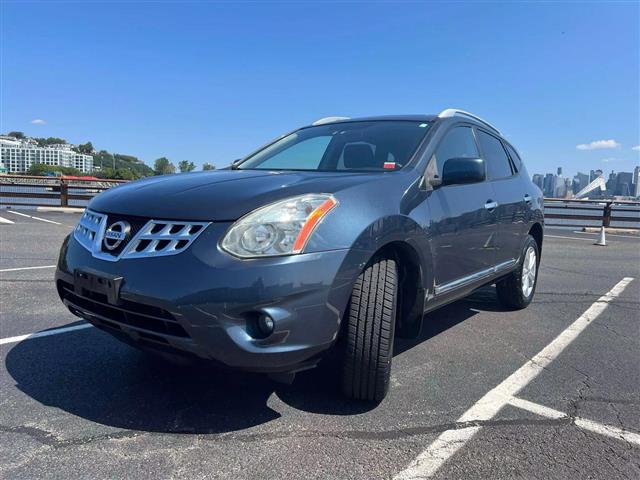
18	155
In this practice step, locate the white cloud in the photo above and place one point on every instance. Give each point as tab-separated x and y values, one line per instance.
598	144
636	148
609	159
38	121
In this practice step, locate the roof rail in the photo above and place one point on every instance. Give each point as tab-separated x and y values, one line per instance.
453	112
324	120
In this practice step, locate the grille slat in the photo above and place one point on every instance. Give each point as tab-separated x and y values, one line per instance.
163	238
132	314
89	228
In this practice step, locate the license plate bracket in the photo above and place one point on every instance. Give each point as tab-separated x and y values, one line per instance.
98	282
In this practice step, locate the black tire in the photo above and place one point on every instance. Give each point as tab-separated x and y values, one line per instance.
510	289
368	341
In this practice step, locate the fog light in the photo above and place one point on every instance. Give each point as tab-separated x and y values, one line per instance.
266	324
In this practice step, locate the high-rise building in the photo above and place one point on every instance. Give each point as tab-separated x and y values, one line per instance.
549	185
560	186
636	181
568	191
594	174
580	180
612	183
624	181
538	180
18	155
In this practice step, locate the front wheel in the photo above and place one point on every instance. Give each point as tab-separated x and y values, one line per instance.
368	342
517	289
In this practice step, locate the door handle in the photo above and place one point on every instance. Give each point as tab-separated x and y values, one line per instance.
527	198
490	205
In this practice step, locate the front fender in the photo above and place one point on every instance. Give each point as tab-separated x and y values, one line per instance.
404	239
398	231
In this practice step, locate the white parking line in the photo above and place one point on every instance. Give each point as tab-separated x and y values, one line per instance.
607	430
585	424
537	408
46	333
570	238
450	441
35	218
637	237
26	268
5	220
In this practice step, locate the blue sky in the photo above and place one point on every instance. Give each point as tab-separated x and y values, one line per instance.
208	81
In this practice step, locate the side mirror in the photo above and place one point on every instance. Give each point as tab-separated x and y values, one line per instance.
458	171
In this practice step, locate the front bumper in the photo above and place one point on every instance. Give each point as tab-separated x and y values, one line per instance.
202	302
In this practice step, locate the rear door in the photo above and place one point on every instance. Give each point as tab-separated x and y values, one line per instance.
508	193
463	223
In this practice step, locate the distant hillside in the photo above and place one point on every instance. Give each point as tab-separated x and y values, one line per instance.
106	162
110	165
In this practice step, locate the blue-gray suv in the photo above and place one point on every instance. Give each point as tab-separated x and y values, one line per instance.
323	244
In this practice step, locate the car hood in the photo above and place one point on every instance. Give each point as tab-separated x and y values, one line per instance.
223	195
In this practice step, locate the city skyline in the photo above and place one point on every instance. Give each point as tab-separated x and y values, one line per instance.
560	185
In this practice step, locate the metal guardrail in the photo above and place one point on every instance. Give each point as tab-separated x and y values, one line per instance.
563	212
23	190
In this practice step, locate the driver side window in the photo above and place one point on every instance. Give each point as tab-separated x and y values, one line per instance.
457	143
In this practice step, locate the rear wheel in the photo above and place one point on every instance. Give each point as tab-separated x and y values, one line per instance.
516	291
368	342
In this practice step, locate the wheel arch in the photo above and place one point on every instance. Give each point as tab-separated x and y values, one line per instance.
411	290
400	238
537	232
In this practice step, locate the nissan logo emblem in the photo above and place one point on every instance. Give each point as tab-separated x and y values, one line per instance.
116	234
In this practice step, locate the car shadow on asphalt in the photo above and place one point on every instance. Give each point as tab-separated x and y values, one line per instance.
92	376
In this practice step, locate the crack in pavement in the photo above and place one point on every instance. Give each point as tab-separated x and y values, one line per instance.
615	332
50	439
595	295
618	401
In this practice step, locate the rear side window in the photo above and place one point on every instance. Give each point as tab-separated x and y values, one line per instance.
514	157
495	156
457	143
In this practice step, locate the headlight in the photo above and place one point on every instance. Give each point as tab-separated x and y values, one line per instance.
282	228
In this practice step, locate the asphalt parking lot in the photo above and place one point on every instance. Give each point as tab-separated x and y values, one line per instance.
548	392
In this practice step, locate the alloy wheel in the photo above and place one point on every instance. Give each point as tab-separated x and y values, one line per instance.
529	268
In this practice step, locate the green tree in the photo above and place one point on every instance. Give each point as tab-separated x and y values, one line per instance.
104	160
106	172
16	134
86	148
162	166
43	142
124	174
208	166
186	166
40	169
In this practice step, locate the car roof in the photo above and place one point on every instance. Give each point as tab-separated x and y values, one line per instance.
446	114
411	118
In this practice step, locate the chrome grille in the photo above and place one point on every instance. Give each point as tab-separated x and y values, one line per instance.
90	228
156	237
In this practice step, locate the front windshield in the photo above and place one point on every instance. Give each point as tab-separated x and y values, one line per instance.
350	146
